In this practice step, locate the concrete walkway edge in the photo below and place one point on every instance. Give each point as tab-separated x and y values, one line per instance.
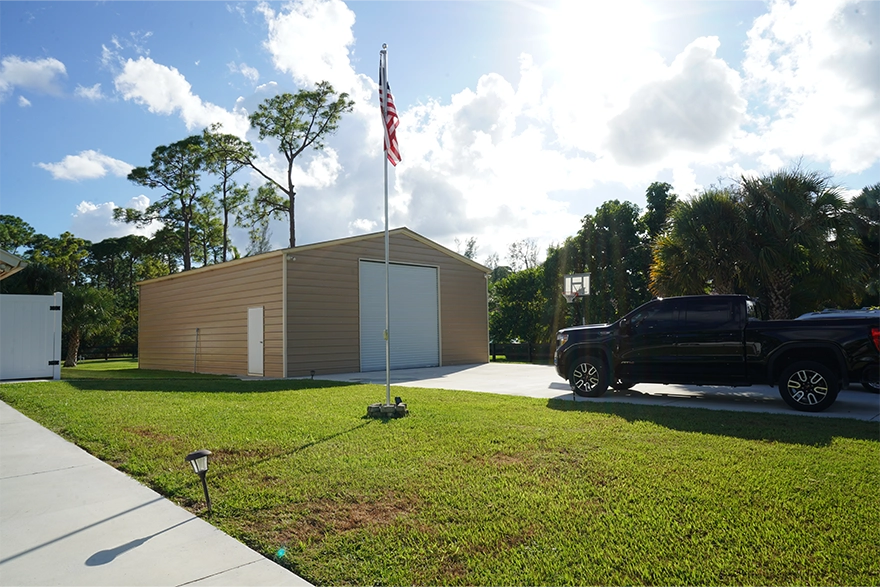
67	518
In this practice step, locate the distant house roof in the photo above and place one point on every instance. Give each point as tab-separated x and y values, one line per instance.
10	264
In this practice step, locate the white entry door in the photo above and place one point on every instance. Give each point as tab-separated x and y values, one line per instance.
255	341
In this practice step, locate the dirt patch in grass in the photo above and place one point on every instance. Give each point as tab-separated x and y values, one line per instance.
508	541
506	459
501	459
145	432
315	520
326	516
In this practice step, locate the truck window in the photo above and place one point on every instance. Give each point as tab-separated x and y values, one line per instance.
661	316
709	314
752	311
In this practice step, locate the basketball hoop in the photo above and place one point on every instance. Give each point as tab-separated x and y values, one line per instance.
575	286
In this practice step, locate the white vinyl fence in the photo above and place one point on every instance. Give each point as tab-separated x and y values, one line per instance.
30	337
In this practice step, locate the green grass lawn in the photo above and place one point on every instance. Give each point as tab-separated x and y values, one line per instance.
123	369
480	489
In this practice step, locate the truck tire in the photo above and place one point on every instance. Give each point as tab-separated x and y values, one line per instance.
808	386
871	385
588	377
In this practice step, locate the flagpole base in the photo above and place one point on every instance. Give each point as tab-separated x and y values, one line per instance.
387	410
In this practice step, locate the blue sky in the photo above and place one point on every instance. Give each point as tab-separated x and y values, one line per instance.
517	118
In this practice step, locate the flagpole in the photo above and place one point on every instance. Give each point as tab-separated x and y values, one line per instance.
384	89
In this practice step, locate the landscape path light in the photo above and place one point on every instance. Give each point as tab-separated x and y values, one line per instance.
199	462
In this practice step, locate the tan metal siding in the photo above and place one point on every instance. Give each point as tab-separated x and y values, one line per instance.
464	316
322	309
323	304
215	301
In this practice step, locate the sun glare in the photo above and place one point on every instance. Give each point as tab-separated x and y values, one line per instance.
606	32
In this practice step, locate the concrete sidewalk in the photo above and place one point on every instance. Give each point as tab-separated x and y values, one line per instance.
66	518
541	381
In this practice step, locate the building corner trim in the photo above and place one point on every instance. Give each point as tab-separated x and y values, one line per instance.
284	358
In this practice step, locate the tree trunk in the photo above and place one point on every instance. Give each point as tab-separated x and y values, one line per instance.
225	216
779	294
225	234
187	247
72	348
292	219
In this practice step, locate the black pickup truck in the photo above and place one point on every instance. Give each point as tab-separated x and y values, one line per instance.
721	340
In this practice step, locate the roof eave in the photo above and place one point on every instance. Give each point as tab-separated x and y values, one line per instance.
10	264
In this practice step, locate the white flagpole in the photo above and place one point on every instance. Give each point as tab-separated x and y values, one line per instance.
383	82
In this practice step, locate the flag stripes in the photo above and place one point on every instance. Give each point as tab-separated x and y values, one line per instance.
389	114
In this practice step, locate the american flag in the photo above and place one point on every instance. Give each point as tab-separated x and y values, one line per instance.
390	115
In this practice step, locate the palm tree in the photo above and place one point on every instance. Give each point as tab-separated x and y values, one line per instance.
795	220
866	218
702	250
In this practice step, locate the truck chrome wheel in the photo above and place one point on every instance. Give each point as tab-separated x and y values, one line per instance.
588	377
871	385
808	386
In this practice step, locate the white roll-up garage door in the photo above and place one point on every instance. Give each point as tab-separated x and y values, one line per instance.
414	316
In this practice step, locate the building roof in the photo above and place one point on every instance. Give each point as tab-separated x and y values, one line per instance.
347	240
10	264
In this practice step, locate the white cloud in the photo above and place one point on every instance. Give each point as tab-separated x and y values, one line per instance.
136	41
848	195
685	180
483	165
87	165
164	90
23	102
323	170
697	107
109	57
816	64
361	226
40	75
244	69
311	42
237	9
94	222
314	170
89	93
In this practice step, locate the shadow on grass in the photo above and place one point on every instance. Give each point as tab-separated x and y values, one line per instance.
221	472
225	385
745	425
220	469
75	374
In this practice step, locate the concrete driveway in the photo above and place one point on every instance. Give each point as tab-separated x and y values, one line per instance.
541	381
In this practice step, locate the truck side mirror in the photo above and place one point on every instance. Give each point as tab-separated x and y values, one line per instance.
624	326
